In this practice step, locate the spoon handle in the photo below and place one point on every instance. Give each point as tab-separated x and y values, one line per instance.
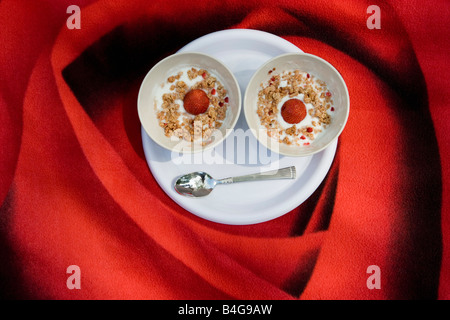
284	173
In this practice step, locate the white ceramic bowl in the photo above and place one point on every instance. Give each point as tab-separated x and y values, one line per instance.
171	65
319	68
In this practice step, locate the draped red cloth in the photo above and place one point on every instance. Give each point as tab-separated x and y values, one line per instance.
75	188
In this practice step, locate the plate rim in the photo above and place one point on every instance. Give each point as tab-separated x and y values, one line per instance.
242	33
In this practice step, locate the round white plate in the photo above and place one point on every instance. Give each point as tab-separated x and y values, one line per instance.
243	51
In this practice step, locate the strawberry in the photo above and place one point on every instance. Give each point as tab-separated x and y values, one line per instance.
196	101
293	111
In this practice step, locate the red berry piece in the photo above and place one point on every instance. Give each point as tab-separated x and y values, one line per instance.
196	101
293	111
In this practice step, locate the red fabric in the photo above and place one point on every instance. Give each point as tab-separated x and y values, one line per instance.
75	188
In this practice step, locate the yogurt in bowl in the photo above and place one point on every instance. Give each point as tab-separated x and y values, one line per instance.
189	102
296	104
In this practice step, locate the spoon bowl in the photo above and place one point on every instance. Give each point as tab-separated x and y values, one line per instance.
195	184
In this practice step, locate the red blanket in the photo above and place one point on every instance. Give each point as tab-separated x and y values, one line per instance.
75	188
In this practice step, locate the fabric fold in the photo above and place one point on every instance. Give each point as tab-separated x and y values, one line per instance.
76	190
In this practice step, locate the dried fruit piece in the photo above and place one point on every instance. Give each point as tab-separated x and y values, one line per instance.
196	101
293	111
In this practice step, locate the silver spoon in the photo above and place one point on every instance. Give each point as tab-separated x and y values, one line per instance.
200	184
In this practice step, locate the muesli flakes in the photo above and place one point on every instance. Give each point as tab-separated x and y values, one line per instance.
178	123
300	85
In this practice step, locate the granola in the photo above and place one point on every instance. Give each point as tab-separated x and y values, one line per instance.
173	117
290	85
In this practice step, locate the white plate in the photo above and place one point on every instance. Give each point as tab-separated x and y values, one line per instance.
243	51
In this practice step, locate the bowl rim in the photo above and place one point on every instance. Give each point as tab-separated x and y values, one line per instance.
227	130
247	107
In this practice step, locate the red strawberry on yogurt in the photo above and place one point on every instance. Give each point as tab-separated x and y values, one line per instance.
293	111
196	101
